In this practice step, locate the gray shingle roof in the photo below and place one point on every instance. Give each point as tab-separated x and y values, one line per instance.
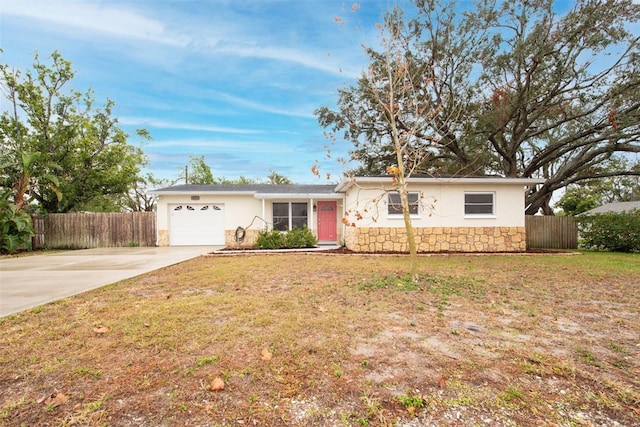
614	207
251	188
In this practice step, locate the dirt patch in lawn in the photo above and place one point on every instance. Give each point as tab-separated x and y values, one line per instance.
305	339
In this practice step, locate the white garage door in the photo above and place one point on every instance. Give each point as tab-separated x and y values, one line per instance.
196	224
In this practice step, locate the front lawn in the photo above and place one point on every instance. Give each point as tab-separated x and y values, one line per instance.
336	340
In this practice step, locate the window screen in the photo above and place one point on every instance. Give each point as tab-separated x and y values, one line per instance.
395	206
299	215
287	216
478	204
281	216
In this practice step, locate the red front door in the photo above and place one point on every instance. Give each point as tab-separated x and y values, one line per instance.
327	221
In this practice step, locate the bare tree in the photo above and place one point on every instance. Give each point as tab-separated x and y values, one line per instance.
399	103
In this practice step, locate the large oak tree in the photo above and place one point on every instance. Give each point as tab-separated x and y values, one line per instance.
509	87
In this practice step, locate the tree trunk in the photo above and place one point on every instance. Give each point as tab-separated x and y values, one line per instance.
406	215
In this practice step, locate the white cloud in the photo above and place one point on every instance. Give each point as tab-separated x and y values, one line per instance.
209	145
164	124
232	38
307	58
94	17
267	108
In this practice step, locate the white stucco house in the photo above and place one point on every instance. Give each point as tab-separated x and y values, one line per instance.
218	214
468	214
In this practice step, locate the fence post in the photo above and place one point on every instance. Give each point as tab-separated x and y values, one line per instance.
38	239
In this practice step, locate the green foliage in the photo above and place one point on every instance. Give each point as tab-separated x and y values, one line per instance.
276	179
577	200
242	180
400	283
296	238
60	150
587	356
491	88
411	400
138	198
199	172
273	239
300	238
616	231
207	360
16	228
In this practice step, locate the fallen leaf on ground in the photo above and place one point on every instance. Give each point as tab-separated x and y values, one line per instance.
442	382
266	354
54	399
217	384
101	329
636	410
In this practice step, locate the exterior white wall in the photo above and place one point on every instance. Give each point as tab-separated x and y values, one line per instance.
269	211
312	219
238	210
244	211
442	205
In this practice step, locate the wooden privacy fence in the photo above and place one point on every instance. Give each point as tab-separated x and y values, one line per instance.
551	232
94	230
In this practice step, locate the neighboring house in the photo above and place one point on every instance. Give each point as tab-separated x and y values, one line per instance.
484	214
613	207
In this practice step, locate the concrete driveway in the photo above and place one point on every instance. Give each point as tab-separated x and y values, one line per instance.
30	281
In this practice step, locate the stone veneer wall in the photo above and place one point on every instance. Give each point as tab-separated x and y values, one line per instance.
229	238
163	237
438	239
250	238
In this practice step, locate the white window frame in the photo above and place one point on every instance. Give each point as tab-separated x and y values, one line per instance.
289	214
399	214
466	203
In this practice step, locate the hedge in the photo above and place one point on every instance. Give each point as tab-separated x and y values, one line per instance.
296	238
615	231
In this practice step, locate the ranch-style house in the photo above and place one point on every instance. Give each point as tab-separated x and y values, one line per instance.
457	214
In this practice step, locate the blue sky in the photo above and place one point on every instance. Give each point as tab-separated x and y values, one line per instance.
235	81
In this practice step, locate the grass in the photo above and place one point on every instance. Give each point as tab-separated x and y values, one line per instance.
519	340
411	401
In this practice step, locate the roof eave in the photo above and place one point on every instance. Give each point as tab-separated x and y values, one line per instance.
268	196
346	184
197	193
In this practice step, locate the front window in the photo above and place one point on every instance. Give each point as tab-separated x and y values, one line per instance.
281	216
394	205
287	216
299	215
479	204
